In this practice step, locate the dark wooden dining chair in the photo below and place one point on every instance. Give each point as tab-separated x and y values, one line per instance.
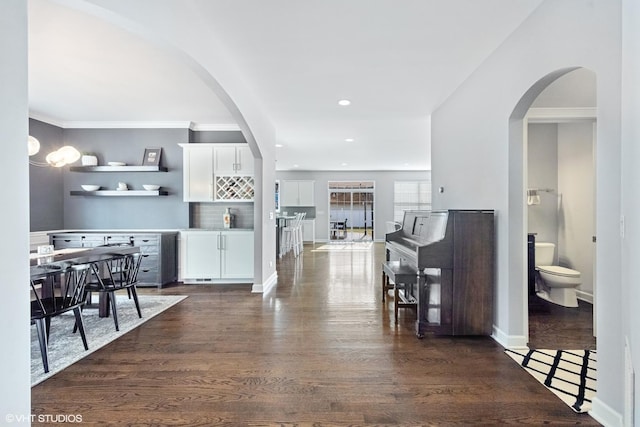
47	306
118	273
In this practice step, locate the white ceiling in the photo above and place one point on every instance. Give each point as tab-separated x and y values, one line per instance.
395	61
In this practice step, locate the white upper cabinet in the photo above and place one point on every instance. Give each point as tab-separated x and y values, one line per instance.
197	172
231	159
297	193
217	172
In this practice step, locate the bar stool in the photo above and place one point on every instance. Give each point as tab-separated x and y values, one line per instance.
298	241
291	236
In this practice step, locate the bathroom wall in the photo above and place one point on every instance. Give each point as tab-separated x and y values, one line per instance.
560	158
576	183
542	173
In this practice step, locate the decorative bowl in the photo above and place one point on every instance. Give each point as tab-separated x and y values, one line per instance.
116	163
87	187
150	187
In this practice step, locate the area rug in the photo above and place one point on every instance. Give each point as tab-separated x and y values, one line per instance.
65	347
569	374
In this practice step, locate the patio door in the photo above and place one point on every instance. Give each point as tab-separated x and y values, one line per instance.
351	211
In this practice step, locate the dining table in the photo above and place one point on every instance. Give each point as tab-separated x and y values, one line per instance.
53	264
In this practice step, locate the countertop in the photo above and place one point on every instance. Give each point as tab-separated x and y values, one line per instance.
214	229
114	230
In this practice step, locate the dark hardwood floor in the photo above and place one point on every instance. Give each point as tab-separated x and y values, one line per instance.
320	349
555	327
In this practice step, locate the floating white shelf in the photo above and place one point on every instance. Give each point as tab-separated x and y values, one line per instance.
116	193
118	169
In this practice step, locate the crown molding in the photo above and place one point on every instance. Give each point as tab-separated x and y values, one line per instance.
125	125
135	124
46	119
561	115
216	127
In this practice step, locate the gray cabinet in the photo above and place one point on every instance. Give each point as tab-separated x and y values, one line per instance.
158	249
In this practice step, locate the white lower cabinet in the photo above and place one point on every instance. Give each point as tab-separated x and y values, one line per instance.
211	256
309	230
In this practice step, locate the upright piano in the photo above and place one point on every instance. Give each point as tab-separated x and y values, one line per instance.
453	254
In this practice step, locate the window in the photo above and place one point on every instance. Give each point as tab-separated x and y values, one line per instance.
410	195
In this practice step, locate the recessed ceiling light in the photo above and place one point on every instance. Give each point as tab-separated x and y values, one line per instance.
343	164
344	102
296	166
349	139
278	145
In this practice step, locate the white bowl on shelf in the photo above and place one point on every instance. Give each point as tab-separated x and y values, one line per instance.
90	187
151	187
116	163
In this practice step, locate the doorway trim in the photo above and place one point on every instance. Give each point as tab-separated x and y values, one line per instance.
351	190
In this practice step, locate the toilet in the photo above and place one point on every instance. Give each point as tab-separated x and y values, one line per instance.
559	283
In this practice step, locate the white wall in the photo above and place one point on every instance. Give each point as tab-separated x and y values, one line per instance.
483	120
15	369
576	188
631	193
383	193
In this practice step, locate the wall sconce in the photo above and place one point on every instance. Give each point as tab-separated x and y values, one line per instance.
61	157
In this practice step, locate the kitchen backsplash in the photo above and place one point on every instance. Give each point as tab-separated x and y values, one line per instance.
209	215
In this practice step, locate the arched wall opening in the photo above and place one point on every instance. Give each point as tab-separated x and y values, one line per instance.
518	172
217	72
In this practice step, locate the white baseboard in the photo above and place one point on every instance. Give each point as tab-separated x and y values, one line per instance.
604	414
508	341
263	288
584	296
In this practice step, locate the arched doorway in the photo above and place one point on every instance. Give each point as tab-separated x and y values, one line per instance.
552	137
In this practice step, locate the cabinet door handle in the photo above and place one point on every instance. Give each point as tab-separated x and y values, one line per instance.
218	242
224	242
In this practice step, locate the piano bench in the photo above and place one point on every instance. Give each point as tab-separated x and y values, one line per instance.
403	277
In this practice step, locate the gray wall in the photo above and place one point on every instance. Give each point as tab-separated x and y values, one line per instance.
127	145
383	193
542	165
230	137
52	207
46	185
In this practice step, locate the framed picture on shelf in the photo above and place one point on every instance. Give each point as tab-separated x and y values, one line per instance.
152	157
